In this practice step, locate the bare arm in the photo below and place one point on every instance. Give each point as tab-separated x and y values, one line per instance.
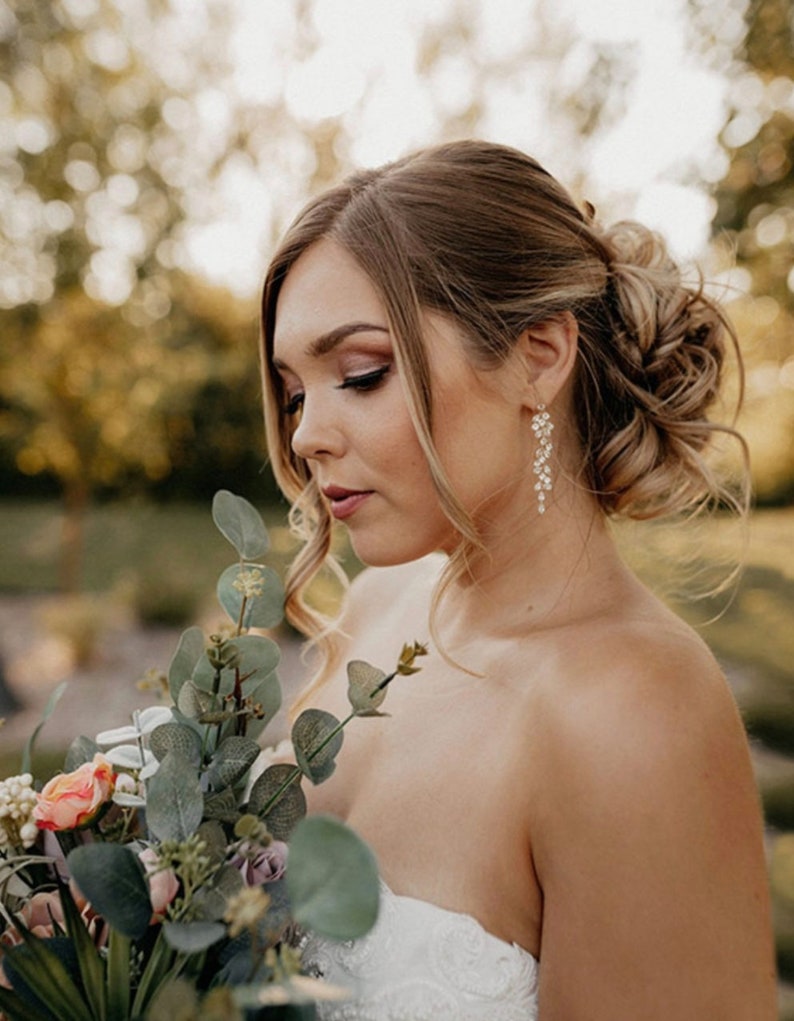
649	847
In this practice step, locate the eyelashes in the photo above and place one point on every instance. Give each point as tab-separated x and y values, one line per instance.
364	383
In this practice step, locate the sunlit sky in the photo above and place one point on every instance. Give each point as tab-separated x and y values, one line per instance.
655	162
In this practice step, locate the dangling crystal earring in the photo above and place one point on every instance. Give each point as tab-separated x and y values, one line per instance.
542	427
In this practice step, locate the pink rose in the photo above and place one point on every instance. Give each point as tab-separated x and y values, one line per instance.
71	800
163	884
261	864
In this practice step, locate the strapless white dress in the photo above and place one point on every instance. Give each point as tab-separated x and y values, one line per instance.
424	963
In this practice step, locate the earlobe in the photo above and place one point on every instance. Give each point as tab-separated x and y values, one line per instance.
548	350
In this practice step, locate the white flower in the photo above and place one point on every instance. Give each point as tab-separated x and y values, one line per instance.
144	721
17	801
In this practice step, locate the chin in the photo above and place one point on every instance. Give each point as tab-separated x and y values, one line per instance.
393	555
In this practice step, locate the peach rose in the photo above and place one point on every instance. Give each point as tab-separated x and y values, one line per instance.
71	800
163	884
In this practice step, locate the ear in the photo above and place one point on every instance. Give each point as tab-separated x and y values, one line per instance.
548	352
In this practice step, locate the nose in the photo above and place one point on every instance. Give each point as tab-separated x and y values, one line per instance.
316	434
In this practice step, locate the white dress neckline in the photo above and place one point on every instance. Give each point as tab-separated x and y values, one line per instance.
422	962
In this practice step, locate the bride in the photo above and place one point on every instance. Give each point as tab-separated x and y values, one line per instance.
473	376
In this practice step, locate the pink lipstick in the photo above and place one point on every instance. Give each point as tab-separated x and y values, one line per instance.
345	502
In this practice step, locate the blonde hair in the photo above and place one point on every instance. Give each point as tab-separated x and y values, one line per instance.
484	235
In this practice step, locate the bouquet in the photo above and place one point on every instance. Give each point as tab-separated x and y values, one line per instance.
153	878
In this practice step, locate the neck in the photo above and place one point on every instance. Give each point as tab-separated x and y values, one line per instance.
535	571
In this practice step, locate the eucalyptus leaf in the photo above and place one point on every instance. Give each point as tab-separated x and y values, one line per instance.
112	879
174	801
232	760
170	737
258	659
222	807
194	701
211	900
175	999
241	523
284	816
267	694
317	741
332	879
188	652
362	687
81	750
214	837
193	937
264	610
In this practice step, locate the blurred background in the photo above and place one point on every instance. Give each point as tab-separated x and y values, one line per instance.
151	151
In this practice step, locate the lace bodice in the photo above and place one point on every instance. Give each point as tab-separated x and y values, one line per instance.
424	963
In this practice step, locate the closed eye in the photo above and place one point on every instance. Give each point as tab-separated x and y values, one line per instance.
366	381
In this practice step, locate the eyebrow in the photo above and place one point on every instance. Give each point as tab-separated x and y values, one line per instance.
326	342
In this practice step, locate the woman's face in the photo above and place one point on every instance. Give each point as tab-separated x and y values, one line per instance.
334	353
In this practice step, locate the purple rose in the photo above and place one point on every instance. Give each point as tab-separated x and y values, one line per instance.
261	864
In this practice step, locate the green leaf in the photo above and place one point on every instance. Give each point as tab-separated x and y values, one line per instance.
317	739
193	701
92	970
81	750
188	652
41	973
221	807
214	837
285	815
174	801
210	902
118	980
362	688
332	879
175	737
241	523
16	1009
193	937
112	879
49	709
176	998
258	659
265	610
231	761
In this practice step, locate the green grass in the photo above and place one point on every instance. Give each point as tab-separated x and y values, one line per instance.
173	549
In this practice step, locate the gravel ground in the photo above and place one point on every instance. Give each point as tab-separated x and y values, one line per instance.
100	694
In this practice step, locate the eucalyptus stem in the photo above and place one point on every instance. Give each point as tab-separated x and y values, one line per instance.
241	615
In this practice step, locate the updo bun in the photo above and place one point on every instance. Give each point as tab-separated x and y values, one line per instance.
652	358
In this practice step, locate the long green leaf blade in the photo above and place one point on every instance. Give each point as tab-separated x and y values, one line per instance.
15	1008
43	971
118	1002
92	970
49	709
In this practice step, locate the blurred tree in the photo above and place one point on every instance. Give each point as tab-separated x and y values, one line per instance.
98	155
123	130
754	215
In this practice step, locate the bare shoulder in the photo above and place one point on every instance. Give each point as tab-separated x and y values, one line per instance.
647	839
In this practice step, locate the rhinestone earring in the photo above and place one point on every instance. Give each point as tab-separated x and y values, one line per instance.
542	427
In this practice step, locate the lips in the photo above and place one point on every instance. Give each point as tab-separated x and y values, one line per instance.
345	502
